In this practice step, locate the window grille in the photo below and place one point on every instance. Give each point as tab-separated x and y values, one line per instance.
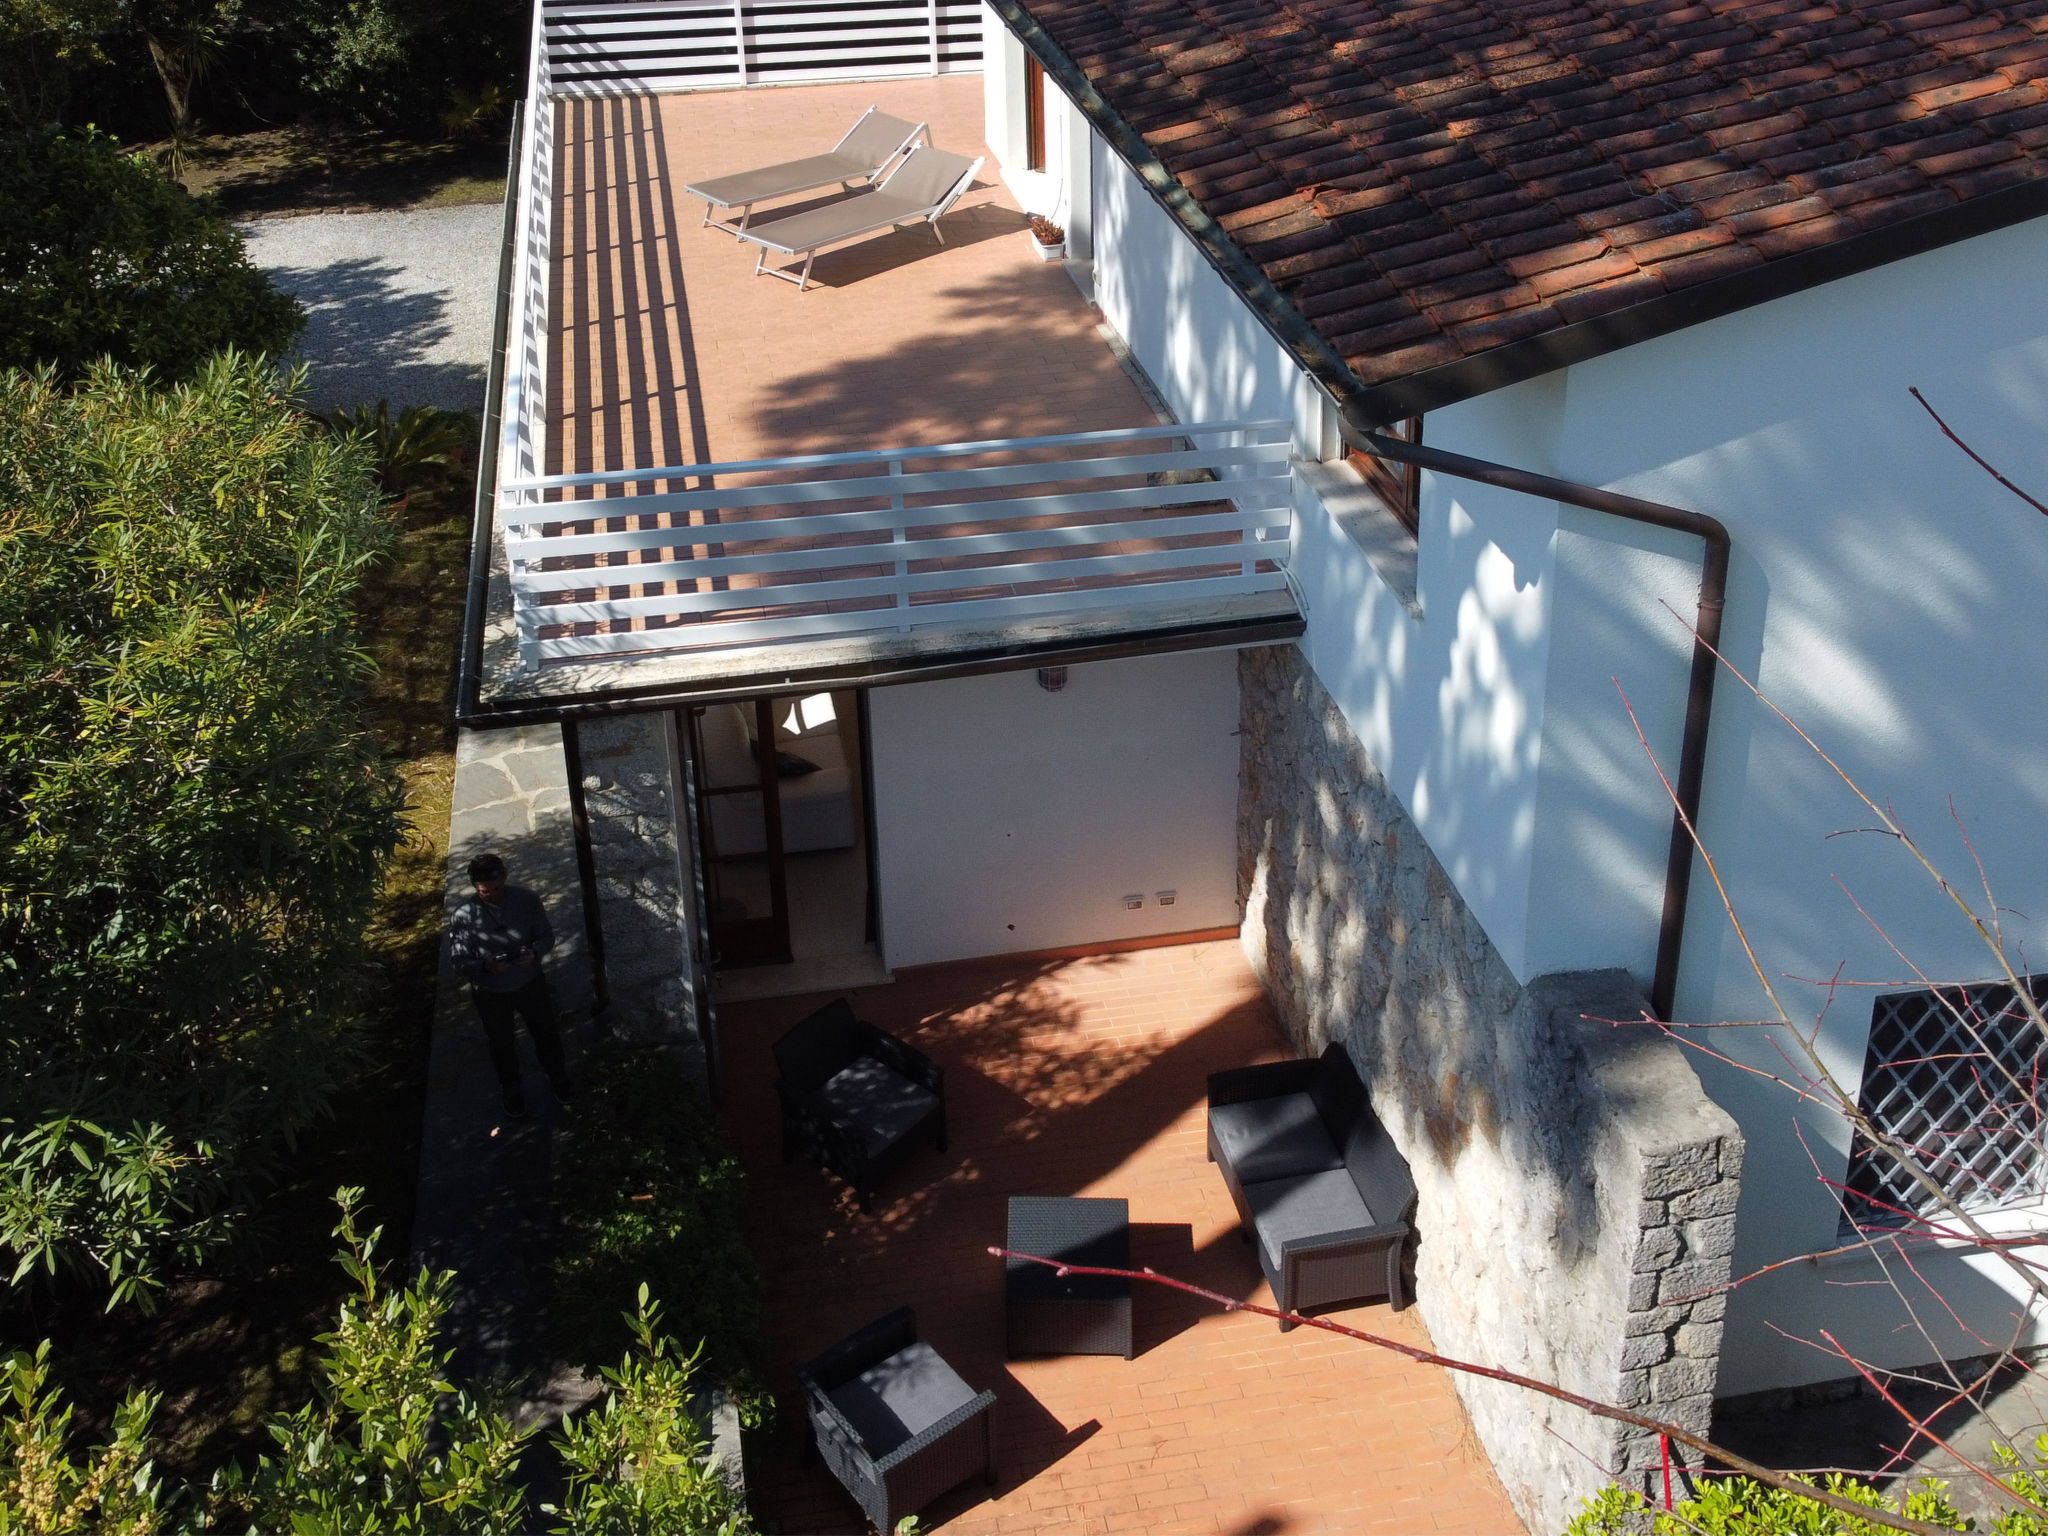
1955	1074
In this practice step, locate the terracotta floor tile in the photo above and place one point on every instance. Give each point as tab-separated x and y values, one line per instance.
1222	1426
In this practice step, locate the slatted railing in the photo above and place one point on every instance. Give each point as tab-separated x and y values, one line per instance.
597	46
523	432
960	536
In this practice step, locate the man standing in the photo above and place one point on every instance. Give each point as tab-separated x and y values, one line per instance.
496	940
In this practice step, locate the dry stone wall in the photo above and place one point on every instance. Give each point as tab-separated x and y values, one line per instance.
629	796
1576	1186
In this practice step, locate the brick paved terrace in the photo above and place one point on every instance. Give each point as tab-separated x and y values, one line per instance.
668	350
1087	1076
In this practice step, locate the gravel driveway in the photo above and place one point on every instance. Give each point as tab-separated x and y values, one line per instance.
398	305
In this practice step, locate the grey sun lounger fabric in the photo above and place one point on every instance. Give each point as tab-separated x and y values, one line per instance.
926	184
866	151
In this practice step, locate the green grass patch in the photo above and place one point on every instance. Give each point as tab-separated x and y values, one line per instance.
301	170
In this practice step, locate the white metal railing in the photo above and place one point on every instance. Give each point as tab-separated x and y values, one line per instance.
964	535
524	428
602	46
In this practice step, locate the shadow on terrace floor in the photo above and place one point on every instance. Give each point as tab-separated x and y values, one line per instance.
984	356
1089	1076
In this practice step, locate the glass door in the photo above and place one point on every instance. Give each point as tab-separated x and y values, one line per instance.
739	831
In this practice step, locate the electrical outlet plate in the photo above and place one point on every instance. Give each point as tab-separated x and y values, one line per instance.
1166	898
1133	903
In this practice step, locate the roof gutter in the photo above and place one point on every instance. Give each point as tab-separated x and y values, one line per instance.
469	670
1699	693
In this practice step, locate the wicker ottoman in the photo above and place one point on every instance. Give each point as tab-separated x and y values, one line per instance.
1046	1313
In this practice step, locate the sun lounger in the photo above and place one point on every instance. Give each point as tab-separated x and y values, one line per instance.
923	186
867	150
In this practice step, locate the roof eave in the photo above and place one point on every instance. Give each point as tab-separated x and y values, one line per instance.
1376	405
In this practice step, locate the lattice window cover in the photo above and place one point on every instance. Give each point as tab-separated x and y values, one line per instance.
1965	1092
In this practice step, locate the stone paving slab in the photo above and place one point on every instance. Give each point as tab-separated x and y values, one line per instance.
482	1208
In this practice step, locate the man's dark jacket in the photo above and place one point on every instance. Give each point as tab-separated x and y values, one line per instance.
481	933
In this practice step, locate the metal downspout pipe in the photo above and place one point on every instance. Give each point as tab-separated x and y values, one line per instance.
1699	694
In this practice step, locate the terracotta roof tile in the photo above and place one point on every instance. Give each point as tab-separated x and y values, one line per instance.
1605	298
1479	306
1430	182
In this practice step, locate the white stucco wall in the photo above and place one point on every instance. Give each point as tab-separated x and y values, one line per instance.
1887	594
1009	818
1883	590
1449	701
1197	341
1059	188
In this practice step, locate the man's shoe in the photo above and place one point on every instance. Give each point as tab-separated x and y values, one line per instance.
515	1104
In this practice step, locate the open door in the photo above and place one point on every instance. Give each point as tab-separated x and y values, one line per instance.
739	833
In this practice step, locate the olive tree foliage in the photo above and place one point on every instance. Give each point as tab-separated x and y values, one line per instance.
193	819
390	1445
103	256
382	63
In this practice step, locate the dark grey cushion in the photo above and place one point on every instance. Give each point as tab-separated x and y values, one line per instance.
878	1099
908	1392
1314	1205
1277	1138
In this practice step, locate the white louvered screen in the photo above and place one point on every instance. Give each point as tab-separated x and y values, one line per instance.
598	46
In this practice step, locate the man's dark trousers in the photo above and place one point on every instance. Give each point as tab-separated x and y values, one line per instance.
534	1003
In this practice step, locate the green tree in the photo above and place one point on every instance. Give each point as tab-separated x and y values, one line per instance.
42	43
193	819
103	256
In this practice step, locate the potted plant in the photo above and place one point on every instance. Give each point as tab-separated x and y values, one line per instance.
1047	238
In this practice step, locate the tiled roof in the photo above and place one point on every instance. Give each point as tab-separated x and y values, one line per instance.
1429	181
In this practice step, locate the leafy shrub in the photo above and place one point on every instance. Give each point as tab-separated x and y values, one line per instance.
639	1463
1738	1506
193	819
103	256
423	455
390	1445
648	1192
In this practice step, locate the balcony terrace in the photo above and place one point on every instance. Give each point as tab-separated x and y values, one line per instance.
1024	498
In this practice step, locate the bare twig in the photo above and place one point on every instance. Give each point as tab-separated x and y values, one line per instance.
1593	1406
1923	1427
1982	463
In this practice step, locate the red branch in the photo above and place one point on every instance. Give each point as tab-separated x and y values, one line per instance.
1982	462
1593	1406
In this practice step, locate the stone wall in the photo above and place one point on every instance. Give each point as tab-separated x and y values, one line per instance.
629	796
1576	1186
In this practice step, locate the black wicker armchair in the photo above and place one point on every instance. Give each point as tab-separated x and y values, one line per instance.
1320	1188
857	1098
894	1422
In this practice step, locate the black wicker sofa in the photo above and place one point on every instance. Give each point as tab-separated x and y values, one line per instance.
1320	1189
